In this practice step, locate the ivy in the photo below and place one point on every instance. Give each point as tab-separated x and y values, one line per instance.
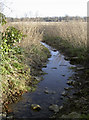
10	38
14	72
2	19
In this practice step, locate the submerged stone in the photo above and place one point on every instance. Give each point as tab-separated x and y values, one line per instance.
54	68
80	68
54	50
72	115
62	65
41	72
46	91
44	65
53	92
10	117
3	115
63	75
54	108
61	107
68	88
36	107
66	58
70	82
45	87
38	78
63	93
74	58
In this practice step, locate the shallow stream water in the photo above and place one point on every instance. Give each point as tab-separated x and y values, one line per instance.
48	90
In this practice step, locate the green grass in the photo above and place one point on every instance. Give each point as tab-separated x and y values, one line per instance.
85	116
67	48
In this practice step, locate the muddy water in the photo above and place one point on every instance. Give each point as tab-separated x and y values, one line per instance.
48	90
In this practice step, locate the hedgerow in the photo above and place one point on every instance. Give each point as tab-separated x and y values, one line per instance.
15	74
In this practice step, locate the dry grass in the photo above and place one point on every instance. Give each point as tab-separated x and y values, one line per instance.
73	32
31	30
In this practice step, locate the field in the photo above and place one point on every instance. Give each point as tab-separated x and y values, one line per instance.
73	32
68	37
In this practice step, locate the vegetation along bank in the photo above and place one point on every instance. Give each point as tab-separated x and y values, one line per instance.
23	55
21	61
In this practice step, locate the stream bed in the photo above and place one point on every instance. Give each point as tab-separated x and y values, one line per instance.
49	90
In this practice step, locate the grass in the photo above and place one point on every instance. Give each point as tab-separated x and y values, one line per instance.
35	52
73	32
85	116
21	64
69	37
15	76
67	48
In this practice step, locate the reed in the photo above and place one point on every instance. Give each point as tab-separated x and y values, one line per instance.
73	32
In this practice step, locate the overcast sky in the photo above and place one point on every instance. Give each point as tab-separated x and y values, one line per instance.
43	8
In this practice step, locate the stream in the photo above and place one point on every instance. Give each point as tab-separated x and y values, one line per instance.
48	90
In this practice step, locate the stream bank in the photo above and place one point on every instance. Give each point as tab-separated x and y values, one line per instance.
49	91
54	93
81	70
78	102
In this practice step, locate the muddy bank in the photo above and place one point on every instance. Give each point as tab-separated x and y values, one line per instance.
78	101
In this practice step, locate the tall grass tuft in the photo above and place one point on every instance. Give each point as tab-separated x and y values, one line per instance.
73	32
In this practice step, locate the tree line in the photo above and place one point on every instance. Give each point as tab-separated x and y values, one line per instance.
47	19
43	19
